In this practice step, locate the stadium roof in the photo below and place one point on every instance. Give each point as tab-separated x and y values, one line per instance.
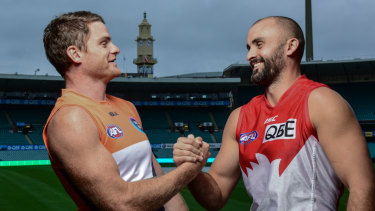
17	82
323	71
199	75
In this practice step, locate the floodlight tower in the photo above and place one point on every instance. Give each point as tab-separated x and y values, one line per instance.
309	36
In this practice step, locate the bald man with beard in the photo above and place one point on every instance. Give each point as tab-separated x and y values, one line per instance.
296	145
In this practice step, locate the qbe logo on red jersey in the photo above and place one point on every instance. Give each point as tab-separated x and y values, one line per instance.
114	131
285	130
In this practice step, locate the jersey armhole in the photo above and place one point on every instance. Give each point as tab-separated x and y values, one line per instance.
239	123
309	124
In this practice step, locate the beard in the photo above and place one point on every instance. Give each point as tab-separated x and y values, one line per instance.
271	70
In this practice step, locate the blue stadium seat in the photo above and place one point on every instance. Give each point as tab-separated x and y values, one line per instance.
37	117
37	135
162	136
154	119
190	116
8	138
360	96
4	124
221	117
219	136
34	116
24	155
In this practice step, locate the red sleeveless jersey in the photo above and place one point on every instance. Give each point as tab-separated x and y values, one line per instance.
282	163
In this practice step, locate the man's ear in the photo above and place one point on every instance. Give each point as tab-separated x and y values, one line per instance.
292	44
74	54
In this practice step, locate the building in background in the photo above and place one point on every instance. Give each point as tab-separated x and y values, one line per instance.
145	50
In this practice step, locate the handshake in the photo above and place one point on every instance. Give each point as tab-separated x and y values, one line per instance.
191	149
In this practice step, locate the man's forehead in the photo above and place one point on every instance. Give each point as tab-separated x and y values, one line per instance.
265	23
96	26
264	28
98	29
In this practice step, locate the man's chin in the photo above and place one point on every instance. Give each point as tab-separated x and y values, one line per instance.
117	72
114	74
255	78
260	82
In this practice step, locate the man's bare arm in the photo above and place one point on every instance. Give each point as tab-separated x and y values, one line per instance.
177	202
341	138
212	189
94	173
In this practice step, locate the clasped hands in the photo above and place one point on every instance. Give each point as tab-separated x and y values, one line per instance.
191	149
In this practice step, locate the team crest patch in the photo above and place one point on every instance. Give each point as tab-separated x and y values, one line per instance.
246	138
114	131
136	124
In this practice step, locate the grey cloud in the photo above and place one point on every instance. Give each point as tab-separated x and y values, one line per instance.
191	36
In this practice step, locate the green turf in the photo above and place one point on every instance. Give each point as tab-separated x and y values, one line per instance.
32	188
239	200
38	188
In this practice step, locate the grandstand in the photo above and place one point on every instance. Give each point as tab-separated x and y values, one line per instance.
175	106
169	108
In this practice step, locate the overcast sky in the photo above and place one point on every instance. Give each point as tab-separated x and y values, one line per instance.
191	35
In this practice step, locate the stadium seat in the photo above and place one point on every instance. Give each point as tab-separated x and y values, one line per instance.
10	138
221	117
162	136
153	119
360	97
4	124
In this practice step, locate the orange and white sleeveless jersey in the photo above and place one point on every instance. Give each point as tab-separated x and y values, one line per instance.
283	164
120	133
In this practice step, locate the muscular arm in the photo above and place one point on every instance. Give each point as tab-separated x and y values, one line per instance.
342	140
212	189
177	202
74	143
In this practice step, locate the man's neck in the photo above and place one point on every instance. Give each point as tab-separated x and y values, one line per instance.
283	82
94	89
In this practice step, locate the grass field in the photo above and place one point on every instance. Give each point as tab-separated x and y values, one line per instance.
38	188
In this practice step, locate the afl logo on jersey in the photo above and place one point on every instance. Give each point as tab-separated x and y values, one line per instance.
246	138
136	124
114	131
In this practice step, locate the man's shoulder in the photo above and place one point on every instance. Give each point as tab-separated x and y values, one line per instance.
323	93
326	103
236	111
69	124
73	114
